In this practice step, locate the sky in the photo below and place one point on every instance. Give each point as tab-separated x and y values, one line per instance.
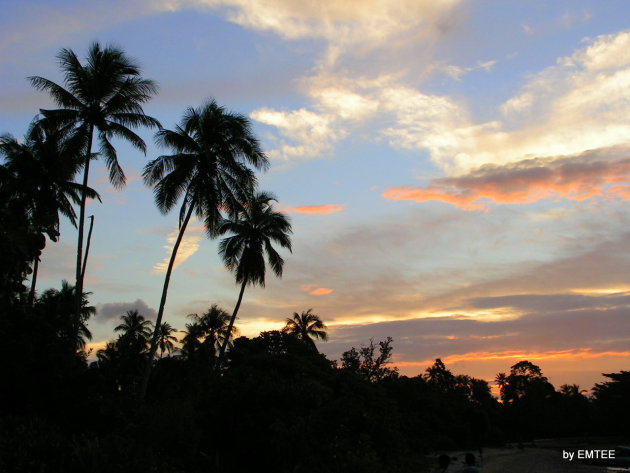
457	172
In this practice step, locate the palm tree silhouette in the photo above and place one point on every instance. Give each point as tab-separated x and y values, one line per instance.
213	325
254	228
191	342
213	148
58	307
135	331
104	95
166	339
44	166
306	326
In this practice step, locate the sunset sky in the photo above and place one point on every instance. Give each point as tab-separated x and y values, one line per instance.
457	172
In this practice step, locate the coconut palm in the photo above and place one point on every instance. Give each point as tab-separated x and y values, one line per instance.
306	326
214	324
104	96
255	227
57	306
166	339
44	166
135	331
191	342
209	169
206	333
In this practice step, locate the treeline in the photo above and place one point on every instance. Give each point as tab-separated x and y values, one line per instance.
276	403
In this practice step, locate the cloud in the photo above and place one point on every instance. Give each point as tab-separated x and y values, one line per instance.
113	310
314	290
578	104
512	356
326	209
558	340
365	25
541	303
457	72
574	178
306	134
188	247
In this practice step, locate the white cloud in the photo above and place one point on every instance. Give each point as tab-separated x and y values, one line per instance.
339	22
577	105
306	134
457	72
188	247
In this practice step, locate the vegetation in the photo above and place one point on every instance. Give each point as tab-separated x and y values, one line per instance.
211	396
255	227
306	326
213	149
104	95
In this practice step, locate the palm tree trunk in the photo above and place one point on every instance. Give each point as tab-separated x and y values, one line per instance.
31	294
79	272
158	320
229	330
87	246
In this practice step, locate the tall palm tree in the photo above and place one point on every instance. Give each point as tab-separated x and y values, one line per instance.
166	339
44	166
209	168
103	95
306	326
255	227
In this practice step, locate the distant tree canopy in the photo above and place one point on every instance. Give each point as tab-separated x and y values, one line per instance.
367	363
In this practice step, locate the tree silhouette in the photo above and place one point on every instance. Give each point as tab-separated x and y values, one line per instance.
524	381
166	339
135	331
57	307
255	227
306	326
44	167
191	342
213	148
103	95
367	364
206	333
440	377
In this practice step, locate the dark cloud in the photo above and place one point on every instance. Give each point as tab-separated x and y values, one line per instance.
112	311
602	330
541	303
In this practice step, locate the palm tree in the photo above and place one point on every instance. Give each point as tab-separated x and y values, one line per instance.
57	306
211	327
44	166
213	148
306	326
104	95
254	228
166	339
135	331
191	342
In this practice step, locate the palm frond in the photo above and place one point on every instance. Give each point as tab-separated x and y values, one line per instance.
116	174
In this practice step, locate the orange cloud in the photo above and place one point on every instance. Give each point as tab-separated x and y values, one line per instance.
576	178
321	291
313	290
315	209
570	354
